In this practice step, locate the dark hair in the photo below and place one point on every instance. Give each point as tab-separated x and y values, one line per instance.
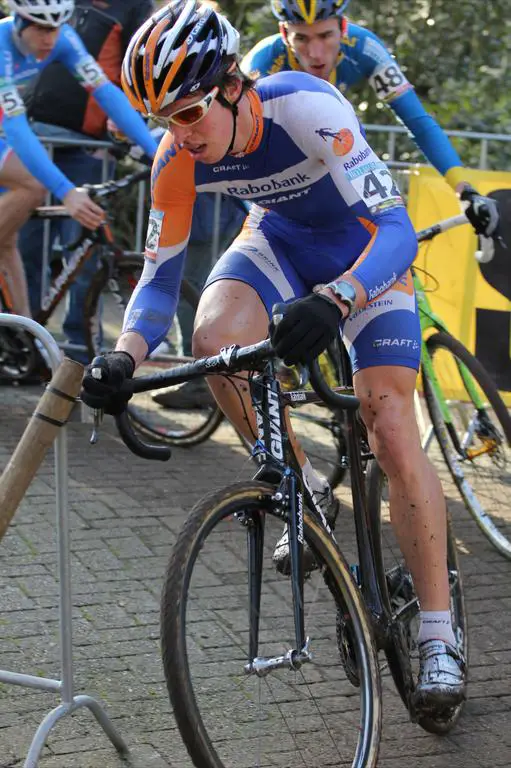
231	75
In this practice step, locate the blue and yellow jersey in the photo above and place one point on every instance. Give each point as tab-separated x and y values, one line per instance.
364	57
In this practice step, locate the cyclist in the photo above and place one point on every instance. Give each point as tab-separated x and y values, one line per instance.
316	37
32	38
313	240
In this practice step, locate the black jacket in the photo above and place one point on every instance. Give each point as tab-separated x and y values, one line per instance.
106	27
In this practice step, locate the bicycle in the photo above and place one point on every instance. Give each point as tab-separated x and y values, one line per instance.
110	291
255	657
468	417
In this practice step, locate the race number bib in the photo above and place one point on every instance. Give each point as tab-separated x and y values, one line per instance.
376	186
11	103
389	82
154	227
90	73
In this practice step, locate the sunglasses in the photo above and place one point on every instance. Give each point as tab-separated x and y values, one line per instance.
190	114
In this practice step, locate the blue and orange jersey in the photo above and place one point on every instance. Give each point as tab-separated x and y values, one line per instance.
312	176
364	57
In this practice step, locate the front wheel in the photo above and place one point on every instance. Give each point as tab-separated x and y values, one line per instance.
401	603
197	416
224	607
473	429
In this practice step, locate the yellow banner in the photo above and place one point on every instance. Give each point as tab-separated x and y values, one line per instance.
473	300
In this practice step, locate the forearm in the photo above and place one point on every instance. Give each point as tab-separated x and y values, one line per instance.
116	105
135	345
34	157
427	133
152	307
387	257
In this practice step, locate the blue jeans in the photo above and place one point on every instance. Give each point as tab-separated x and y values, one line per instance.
81	168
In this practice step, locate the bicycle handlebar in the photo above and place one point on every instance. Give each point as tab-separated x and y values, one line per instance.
96	192
230	360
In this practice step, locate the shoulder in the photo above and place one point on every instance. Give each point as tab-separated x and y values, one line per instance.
283	97
6	33
267	56
287	85
173	171
365	45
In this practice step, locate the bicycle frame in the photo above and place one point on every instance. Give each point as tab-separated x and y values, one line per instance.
83	249
429	320
279	466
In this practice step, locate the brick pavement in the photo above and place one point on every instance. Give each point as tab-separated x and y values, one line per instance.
125	514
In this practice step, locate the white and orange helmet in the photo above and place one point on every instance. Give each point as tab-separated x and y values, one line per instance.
183	48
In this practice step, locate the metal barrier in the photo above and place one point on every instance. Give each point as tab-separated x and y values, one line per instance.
395	130
69	702
71	139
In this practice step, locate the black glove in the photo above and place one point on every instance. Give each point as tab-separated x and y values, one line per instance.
104	392
307	327
482	212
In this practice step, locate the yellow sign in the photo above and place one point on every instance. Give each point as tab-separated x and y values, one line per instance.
473	300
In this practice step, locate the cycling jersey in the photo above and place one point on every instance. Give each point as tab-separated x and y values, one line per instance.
319	195
363	56
17	68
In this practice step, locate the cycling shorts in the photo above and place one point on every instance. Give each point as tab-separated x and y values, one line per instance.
386	332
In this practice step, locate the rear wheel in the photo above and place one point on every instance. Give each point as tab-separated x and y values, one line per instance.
19	359
399	596
111	291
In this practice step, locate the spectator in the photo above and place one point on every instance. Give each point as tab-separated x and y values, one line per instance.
57	105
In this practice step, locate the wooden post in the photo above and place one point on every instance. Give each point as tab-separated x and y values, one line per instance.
51	414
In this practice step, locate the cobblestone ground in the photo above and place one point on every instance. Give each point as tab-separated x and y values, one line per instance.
125	514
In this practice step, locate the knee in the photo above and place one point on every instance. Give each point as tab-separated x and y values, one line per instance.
393	438
209	336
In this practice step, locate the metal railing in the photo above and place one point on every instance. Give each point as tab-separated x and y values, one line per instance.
72	139
393	131
70	702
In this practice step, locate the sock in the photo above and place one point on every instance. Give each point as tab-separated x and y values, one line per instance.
314	482
436	625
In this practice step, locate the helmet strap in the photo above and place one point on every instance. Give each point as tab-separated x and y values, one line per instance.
233	106
20	23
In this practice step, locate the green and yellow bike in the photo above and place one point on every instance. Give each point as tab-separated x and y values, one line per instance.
467	416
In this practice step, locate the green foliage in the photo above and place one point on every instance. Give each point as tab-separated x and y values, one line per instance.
457	55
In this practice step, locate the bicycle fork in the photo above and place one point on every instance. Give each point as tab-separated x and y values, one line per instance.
288	500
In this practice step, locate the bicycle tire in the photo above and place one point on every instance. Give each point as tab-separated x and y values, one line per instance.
223	505
19	358
396	588
165	425
487	466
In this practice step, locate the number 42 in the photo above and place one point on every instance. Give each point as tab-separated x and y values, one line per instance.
374	186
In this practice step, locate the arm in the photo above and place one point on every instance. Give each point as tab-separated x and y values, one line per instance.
366	185
111	99
21	138
391	86
153	304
